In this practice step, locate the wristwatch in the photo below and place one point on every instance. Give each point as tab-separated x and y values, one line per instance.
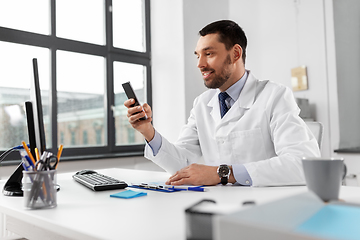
224	173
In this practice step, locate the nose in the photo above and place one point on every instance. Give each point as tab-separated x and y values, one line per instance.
201	62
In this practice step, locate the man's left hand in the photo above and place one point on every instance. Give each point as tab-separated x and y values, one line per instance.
195	174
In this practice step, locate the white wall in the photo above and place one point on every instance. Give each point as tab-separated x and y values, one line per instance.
283	35
167	45
176	80
347	38
197	14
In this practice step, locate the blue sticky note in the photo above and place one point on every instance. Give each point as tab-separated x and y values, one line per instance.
128	194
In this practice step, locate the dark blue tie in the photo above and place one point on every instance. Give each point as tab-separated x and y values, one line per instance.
223	107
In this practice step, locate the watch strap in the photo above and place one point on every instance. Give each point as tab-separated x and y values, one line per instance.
224	180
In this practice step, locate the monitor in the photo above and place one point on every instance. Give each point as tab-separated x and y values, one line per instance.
35	97
35	124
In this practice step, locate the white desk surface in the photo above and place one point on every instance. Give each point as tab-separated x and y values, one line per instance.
84	214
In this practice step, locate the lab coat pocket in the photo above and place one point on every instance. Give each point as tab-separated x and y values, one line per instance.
247	146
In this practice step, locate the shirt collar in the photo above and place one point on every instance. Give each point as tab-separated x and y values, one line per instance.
235	90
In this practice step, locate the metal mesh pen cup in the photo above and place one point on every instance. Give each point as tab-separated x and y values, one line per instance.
39	189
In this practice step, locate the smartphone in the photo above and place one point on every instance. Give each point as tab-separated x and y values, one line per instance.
131	94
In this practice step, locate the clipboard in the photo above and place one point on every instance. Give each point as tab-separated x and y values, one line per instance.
166	188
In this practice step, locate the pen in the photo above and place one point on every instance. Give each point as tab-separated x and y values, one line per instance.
198	189
28	152
26	162
29	166
184	188
26	166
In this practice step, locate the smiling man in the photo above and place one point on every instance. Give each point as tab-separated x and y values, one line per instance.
247	131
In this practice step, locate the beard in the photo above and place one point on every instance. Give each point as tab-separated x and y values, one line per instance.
219	79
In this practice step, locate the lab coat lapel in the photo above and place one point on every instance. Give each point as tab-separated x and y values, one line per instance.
215	107
247	95
244	102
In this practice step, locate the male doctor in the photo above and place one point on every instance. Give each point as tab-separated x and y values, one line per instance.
248	131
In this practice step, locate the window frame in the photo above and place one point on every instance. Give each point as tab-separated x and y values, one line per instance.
111	54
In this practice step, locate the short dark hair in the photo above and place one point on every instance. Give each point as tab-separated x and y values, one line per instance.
230	33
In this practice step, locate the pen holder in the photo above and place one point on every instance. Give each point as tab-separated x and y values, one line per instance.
39	189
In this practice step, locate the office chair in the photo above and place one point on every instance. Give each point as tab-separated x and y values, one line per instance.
317	129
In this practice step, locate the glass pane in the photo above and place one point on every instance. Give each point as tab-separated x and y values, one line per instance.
15	76
129	24
80	89
31	16
136	74
81	20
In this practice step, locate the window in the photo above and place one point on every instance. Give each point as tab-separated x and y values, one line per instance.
14	90
31	16
80	93
85	137
73	137
88	27
129	36
84	55
136	74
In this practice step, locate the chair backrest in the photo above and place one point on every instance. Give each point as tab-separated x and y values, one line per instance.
317	129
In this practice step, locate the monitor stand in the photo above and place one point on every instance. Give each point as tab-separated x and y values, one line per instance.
13	185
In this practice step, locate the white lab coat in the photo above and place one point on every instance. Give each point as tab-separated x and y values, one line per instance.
262	130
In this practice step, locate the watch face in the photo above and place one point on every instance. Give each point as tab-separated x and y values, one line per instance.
223	170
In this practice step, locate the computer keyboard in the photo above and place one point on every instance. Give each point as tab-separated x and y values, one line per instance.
98	182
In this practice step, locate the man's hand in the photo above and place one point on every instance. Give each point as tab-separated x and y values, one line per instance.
195	174
135	113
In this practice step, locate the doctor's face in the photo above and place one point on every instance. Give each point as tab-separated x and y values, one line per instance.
214	61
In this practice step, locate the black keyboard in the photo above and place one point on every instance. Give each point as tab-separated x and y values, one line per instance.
98	182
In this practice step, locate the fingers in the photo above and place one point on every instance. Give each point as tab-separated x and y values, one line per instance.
128	103
140	118
195	174
139	123
180	177
183	181
135	113
147	109
176	177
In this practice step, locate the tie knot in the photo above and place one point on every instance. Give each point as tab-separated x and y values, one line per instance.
223	96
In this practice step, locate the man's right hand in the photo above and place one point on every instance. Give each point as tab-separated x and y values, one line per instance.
135	113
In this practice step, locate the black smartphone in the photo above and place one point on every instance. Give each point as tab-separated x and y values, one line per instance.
129	91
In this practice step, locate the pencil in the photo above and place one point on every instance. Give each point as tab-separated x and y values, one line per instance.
37	154
59	154
28	152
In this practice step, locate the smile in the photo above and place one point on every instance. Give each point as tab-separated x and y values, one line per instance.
206	74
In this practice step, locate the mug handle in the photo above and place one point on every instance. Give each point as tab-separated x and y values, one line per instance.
344	172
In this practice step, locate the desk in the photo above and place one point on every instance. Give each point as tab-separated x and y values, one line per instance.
84	214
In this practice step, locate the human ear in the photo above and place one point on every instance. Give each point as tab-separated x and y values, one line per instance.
237	52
